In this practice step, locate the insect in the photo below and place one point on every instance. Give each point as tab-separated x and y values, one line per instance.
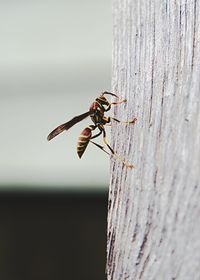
96	113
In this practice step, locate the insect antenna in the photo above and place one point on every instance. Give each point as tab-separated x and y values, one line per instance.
109	93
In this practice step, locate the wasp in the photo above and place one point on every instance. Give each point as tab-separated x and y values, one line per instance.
96	112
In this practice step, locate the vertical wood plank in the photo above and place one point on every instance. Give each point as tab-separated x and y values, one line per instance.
154	209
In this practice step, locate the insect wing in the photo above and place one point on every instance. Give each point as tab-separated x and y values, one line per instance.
76	119
56	131
67	125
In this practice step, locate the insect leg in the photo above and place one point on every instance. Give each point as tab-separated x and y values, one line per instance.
101	147
118	102
114	103
96	135
125	122
114	153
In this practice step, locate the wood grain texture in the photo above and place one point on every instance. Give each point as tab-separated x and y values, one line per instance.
154	209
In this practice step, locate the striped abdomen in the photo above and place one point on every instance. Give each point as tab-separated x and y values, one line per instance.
83	140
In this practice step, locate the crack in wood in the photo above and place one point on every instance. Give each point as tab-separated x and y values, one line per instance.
145	239
152	72
110	253
144	266
161	106
194	32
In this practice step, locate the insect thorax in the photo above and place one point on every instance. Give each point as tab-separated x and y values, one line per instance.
97	112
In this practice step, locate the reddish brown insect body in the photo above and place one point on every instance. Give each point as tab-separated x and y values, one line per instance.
83	140
96	112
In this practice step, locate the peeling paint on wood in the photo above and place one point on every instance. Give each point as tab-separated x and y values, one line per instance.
154	209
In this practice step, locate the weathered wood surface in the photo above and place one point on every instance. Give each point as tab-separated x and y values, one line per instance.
154	209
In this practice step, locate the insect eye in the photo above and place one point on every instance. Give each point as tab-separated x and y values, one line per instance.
103	100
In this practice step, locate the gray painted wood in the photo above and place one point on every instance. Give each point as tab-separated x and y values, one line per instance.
154	209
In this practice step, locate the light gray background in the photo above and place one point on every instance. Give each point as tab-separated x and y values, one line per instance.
55	58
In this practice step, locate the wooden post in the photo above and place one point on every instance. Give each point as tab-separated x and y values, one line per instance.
154	209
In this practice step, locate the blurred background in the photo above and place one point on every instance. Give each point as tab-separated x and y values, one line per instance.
55	59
